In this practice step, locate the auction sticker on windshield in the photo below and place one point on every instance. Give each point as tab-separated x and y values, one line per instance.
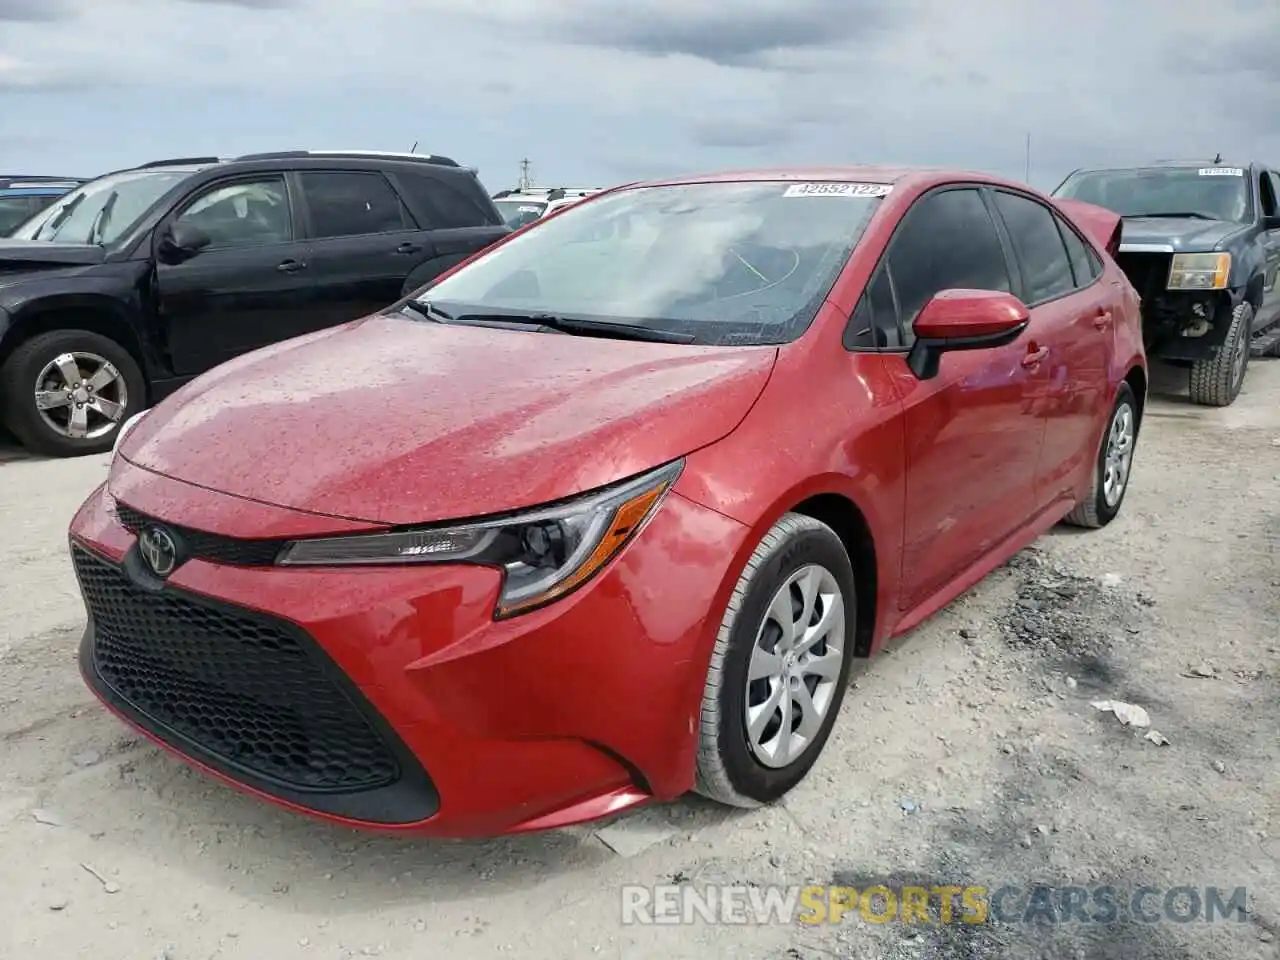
838	190
1221	172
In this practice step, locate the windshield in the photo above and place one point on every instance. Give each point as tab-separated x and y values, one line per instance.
101	211
1219	193
742	263
519	212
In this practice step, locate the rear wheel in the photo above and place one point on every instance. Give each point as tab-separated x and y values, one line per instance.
1112	467
1216	382
66	392
780	665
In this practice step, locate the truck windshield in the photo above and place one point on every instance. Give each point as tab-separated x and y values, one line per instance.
1217	193
102	210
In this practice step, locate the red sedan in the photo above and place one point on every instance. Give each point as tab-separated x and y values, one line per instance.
605	514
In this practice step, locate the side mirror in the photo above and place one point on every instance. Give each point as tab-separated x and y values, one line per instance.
181	241
964	320
1271	222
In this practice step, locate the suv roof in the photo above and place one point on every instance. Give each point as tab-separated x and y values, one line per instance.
195	164
546	193
39	183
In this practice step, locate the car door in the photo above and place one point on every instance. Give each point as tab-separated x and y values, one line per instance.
1271	240
1072	321
972	438
248	288
364	242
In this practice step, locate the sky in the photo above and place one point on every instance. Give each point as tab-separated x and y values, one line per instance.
598	92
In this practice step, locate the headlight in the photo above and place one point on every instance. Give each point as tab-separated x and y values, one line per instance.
544	553
124	431
1199	271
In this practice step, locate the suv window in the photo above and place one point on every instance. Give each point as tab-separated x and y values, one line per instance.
350	204
444	203
1084	263
947	240
244	213
1046	269
14	210
1267	194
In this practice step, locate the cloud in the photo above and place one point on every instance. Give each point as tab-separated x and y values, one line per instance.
247	4
604	90
35	11
727	34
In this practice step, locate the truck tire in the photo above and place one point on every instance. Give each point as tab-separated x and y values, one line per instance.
1216	382
65	393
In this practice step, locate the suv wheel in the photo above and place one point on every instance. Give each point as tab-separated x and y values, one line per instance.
65	393
1216	382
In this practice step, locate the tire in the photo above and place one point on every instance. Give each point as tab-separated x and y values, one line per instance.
34	364
729	768
1216	382
1100	507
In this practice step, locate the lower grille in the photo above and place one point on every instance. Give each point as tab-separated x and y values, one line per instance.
248	690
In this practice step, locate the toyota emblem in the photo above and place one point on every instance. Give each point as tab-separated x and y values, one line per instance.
158	551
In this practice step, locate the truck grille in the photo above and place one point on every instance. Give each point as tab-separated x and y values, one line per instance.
247	690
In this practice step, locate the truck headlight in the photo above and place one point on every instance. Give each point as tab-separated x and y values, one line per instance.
1199	271
544	553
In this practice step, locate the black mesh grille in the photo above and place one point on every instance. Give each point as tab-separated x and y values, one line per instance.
243	688
213	547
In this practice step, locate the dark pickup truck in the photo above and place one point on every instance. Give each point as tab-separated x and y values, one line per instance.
134	283
1200	241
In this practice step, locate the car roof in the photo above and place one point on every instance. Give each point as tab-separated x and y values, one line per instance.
853	173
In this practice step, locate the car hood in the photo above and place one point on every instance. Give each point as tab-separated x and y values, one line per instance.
35	253
1183	234
393	421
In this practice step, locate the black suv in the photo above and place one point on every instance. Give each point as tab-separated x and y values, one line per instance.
1200	242
132	284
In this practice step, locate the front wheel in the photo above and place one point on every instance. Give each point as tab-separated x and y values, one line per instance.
780	665
1216	382
65	393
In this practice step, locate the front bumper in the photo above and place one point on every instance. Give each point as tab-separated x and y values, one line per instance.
388	697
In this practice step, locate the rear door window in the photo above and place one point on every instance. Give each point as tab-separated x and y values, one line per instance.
352	204
446	205
1085	267
1041	252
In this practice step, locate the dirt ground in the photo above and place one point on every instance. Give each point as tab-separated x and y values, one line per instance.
969	753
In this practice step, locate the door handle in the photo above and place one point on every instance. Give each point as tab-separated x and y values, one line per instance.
1102	320
292	266
1034	357
409	248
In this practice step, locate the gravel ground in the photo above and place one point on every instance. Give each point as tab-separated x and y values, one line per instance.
969	753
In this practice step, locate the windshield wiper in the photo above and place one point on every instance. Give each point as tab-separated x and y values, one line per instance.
579	325
54	223
424	309
104	216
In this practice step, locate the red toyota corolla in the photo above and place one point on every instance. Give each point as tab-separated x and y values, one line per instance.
604	514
